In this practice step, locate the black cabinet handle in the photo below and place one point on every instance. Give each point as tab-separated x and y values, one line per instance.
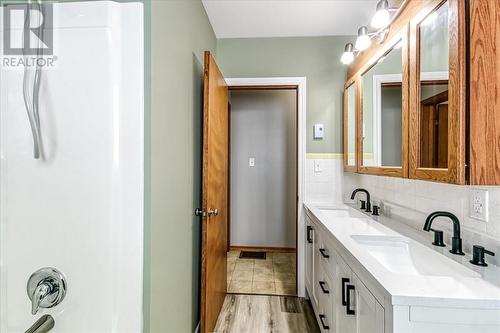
322	284
324	253
322	320
348	311
309	238
344	281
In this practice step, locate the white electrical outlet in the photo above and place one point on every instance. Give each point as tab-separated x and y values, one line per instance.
478	204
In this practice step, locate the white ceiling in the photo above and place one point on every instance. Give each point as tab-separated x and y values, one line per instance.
287	18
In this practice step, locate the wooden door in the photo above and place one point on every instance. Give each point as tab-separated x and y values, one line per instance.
214	195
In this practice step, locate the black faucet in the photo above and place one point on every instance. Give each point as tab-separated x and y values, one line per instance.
368	204
456	241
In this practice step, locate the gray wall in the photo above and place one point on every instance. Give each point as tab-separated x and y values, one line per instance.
180	32
391	126
263	197
317	58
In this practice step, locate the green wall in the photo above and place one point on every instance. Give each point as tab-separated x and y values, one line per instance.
180	33
317	58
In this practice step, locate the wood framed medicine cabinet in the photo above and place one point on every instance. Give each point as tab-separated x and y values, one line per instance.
437	131
381	136
382	129
350	120
451	101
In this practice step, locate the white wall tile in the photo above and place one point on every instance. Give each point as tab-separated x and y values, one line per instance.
416	199
324	187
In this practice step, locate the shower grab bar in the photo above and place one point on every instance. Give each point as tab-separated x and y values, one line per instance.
33	109
43	325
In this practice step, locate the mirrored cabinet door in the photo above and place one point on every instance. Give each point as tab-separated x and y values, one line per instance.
383	124
437	80
350	95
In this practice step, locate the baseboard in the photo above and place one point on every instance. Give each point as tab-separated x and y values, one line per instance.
263	249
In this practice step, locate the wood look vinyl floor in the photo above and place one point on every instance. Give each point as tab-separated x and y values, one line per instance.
266	314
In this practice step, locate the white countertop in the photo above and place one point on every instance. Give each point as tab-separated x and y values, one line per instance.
456	290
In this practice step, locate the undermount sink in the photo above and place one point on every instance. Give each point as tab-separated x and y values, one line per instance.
404	256
341	213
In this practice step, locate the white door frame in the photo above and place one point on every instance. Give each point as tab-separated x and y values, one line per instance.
300	82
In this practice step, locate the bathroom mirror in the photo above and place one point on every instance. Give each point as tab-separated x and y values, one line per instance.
383	111
433	38
438	94
350	127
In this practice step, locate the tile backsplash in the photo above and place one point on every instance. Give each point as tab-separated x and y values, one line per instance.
410	201
323	179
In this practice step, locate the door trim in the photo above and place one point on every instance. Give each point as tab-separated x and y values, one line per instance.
300	83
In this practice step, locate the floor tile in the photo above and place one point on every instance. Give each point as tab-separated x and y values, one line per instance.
285	277
263	287
245	263
240	286
274	275
263	263
242	274
263	275
259	269
285	288
283	268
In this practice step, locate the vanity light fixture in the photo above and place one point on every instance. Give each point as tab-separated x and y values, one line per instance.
381	22
348	55
363	41
382	17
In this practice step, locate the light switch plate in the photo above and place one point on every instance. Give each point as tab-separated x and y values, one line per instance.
317	166
478	204
251	161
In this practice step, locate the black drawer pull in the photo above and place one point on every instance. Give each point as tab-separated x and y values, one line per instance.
322	320
348	311
324	253
344	281
322	284
309	238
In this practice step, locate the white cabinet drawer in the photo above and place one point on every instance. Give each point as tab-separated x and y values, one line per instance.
328	257
327	301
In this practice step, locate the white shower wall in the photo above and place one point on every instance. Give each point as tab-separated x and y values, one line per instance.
81	208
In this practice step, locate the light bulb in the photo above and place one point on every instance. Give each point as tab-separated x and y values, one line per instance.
363	42
348	55
382	18
347	58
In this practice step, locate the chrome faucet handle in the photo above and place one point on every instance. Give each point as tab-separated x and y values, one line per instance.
46	288
41	291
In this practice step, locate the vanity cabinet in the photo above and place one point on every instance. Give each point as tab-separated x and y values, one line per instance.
309	251
361	285
341	301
